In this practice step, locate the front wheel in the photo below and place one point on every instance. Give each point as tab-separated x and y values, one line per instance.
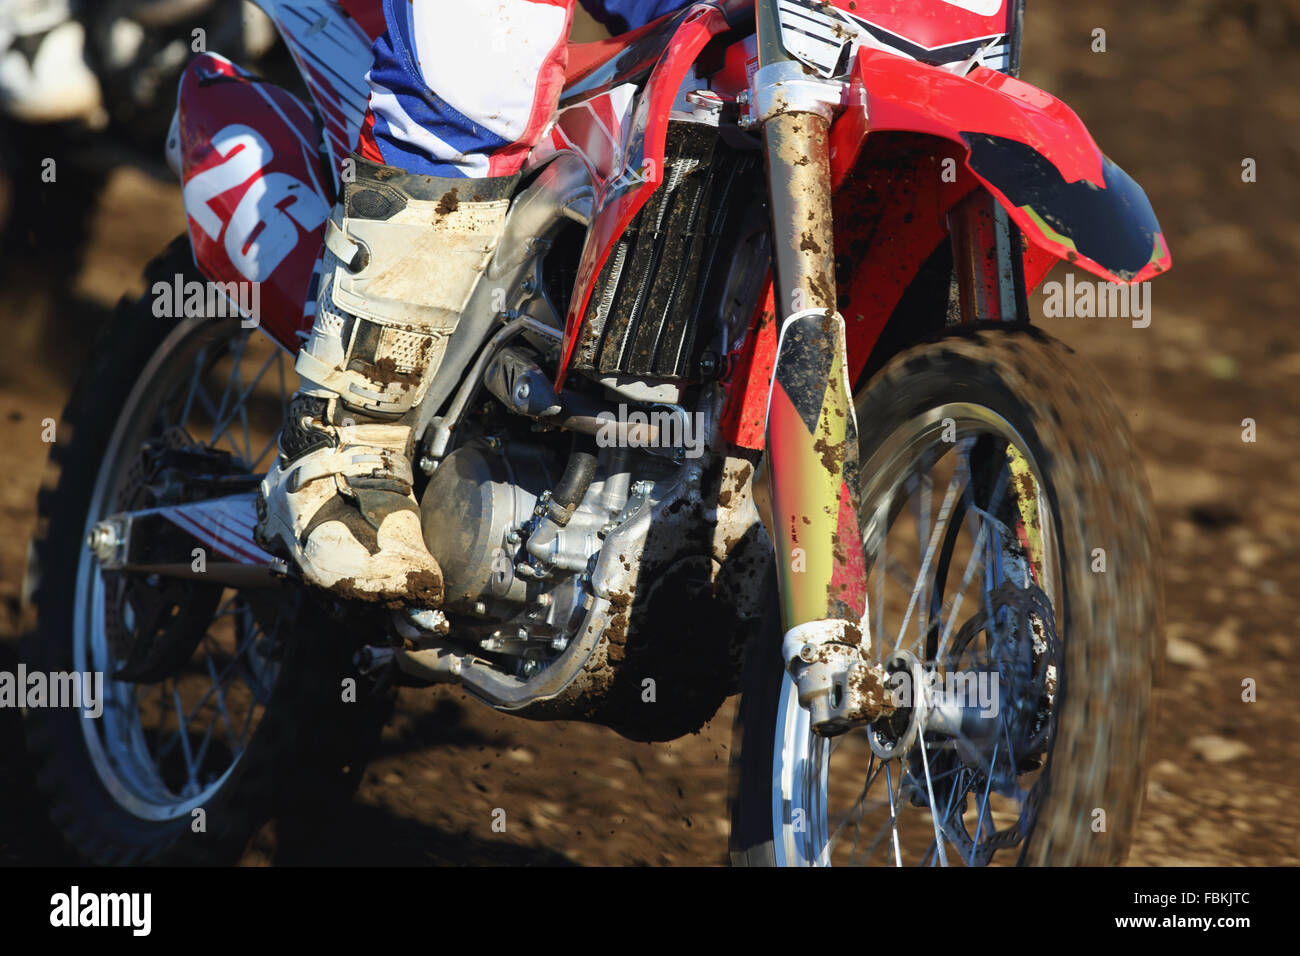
1011	563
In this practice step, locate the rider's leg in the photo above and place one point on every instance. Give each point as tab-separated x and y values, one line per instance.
404	249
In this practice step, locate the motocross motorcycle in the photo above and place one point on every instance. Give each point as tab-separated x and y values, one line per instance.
745	401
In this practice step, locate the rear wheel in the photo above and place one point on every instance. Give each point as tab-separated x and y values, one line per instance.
1011	555
245	713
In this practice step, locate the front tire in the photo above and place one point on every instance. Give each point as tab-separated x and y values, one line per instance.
1022	389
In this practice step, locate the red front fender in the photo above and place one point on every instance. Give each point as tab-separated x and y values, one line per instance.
1027	147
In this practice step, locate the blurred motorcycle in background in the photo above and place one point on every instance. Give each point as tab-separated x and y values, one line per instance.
113	65
92	86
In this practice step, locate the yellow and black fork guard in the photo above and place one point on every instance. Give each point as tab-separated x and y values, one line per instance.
812	475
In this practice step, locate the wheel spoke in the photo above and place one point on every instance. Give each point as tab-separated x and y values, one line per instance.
199	364
929	787
858	803
977	552
183	731
219	430
983	806
941	522
236	353
893	814
221	697
921	491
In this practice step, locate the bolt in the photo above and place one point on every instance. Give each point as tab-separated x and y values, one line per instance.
709	364
807	653
543	600
559	642
480	608
528	286
427	464
522	391
102	539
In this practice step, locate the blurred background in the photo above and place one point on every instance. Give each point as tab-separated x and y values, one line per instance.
1183	94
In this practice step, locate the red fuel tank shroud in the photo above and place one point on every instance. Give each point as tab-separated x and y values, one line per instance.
255	195
932	24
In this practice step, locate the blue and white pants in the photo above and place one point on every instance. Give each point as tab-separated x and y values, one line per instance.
466	87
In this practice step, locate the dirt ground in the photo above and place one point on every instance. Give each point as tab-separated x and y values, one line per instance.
1184	93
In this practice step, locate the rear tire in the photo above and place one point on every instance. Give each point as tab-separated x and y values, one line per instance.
1109	627
310	745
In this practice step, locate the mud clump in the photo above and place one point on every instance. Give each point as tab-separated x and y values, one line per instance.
448	204
423	589
809	244
831	455
852	634
385	372
823	293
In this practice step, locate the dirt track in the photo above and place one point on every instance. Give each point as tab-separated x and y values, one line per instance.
1185	92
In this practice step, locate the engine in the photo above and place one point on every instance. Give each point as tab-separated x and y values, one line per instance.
599	544
515	577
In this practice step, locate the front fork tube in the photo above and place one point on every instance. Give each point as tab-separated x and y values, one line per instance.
810	468
987	259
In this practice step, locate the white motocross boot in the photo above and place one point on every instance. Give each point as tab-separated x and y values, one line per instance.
403	253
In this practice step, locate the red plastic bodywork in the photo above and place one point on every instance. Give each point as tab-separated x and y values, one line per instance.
932	23
905	199
739	61
272	190
904	95
583	58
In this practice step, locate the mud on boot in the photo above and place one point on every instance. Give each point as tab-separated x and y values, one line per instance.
403	254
